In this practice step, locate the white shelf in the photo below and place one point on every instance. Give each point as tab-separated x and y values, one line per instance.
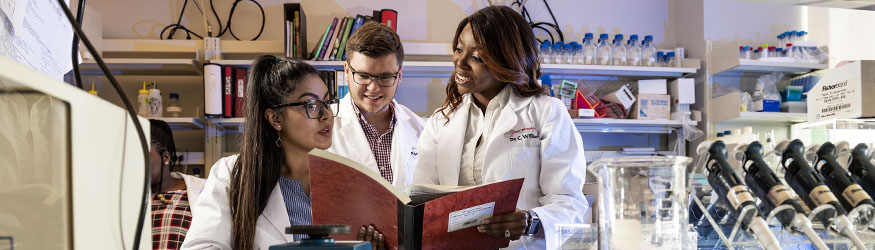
608	125
725	60
142	66
182	123
228	123
444	68
766	118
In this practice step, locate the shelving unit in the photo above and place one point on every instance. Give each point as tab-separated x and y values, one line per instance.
766	118
725	60
183	123
137	66
607	125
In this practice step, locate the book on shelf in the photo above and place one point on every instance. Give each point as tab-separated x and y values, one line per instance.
240	74
329	43
344	33
228	92
295	38
422	217
358	21
297	26
338	34
389	17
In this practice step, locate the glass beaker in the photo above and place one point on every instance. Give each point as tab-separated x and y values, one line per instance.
642	202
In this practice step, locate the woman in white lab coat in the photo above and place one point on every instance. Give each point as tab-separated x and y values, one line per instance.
497	124
251	198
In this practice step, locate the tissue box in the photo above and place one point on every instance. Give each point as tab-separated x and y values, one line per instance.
652	107
656	87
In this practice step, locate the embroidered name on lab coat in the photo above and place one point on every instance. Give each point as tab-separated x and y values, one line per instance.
521	134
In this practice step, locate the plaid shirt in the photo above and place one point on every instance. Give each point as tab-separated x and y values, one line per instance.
170	222
381	144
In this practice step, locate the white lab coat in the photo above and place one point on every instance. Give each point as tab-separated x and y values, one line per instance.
533	138
348	140
211	228
193	185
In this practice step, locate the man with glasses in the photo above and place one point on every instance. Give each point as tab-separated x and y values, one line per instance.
372	128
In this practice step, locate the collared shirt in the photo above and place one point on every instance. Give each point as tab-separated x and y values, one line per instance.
480	125
171	218
297	204
381	144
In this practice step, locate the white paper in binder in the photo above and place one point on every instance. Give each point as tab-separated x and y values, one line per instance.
212	90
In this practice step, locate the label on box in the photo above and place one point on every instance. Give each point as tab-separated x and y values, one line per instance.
653	107
837	95
586	112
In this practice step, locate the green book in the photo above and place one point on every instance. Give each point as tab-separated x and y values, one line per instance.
346	33
318	49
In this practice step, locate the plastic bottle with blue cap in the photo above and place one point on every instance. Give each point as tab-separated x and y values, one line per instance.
618	51
589	53
633	51
603	50
568	57
649	56
545	53
660	56
556	52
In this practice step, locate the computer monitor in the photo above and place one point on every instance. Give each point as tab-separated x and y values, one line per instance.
71	166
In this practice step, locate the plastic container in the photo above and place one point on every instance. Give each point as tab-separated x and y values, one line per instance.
143	101
173	107
642	202
156	108
589	50
603	50
794	107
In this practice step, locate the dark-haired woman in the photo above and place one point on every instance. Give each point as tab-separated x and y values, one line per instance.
251	198
497	124
173	193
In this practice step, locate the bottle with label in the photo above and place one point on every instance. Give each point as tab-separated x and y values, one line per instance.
648	57
633	51
589	51
618	51
603	50
545	53
173	107
143	101
156	108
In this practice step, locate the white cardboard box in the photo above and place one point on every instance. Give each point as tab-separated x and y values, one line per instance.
656	87
622	96
840	93
652	107
683	91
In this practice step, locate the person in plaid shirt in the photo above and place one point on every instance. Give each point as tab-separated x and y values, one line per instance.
173	192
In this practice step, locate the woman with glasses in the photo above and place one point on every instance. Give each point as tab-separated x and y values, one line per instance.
249	199
497	124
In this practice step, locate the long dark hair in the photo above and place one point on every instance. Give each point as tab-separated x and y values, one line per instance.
507	45
162	137
258	167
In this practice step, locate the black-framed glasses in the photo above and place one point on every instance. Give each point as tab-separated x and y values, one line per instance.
385	81
314	108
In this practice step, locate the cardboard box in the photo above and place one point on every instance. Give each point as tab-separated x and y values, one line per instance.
839	94
622	96
656	87
683	91
652	107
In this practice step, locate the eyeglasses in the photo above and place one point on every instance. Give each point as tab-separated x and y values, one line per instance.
314	108
385	81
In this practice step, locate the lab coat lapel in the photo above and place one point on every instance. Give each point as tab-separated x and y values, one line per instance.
275	213
451	142
352	131
401	145
507	119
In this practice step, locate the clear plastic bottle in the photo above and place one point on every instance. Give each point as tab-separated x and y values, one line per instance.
660	56
589	52
671	61
173	107
568	56
578	54
557	52
633	51
649	55
156	108
143	101
545	53
618	50
603	50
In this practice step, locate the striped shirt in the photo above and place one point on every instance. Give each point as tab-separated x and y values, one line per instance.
297	204
381	144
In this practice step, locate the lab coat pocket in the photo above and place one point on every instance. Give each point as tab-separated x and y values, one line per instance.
525	163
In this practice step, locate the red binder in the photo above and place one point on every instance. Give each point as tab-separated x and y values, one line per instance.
228	92
240	92
389	17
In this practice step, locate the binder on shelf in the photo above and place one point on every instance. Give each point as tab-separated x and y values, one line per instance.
228	92
359	20
296	34
389	17
377	16
240	92
212	90
331	39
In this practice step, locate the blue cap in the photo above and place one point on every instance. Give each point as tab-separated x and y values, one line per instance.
779	50
587	35
648	37
557	46
618	36
727	132
746	47
781	36
580	46
174	96
603	36
659	53
574	43
561	42
719	134
671	54
633	37
546	44
569	46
